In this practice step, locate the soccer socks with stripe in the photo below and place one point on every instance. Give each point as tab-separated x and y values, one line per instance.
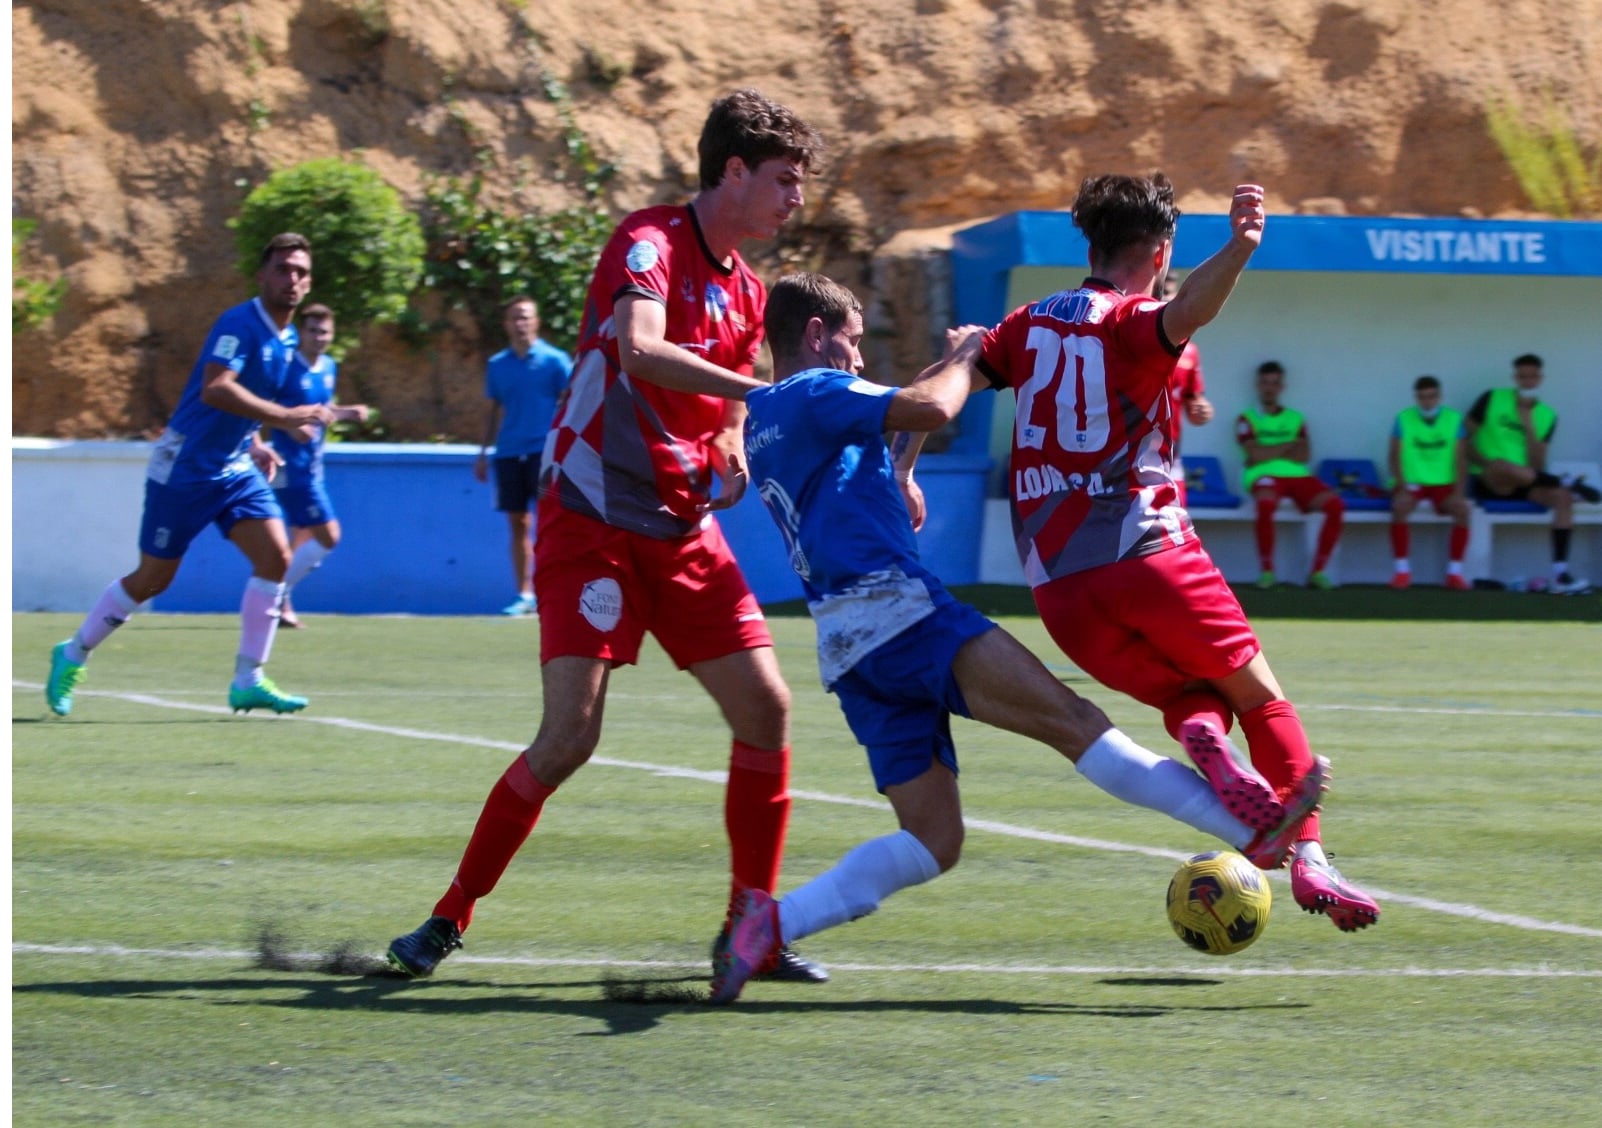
1334	517
756	812
856	885
1280	750
1125	770
307	557
258	623
111	610
508	817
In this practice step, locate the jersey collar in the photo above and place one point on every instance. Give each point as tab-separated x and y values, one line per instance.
272	326
706	251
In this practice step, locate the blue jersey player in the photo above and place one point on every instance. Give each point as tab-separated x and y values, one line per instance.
302	490
205	469
900	652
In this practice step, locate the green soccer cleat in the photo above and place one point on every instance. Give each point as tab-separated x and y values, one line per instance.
264	695
1321	581
65	674
1266	580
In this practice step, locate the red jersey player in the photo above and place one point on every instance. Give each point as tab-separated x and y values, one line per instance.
626	543
1121	581
1189	391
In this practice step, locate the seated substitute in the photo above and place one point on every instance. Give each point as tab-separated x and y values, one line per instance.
1277	449
1428	461
1509	430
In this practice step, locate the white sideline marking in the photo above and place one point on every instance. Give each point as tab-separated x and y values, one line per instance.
117	951
1470	912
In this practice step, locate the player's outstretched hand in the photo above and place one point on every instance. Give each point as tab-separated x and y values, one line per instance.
965	339
266	459
917	508
1246	213
734	479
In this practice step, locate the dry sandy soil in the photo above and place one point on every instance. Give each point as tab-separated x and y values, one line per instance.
139	125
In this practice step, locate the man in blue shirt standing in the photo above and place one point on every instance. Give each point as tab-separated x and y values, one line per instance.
900	652
524	384
207	469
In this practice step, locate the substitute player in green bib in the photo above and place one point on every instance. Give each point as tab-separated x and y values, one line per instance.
1508	430
1429	462
1277	450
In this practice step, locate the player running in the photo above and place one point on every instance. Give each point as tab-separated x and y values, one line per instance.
204	470
900	653
625	543
1120	579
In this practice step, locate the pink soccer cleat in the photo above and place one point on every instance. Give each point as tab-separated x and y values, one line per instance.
1319	888
1239	786
753	941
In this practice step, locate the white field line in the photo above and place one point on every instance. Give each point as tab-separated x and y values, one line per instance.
1470	912
115	951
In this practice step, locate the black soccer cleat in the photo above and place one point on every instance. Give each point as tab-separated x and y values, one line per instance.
418	953
784	966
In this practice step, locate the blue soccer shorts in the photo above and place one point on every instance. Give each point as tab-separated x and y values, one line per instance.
899	698
307	504
176	515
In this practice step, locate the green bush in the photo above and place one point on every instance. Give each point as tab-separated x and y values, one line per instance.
32	301
480	257
1547	157
367	249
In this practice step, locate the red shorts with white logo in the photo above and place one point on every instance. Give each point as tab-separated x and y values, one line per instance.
1150	626
1435	495
1302	491
600	588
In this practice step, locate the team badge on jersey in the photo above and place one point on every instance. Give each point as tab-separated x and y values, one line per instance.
717	301
225	348
642	256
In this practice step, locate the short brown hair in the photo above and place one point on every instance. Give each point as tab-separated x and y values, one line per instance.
747	125
506	306
316	312
282	244
1118	212
795	300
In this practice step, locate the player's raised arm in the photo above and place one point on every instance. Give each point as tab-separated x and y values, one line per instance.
1208	286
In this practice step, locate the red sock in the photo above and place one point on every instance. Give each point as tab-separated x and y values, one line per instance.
1457	544
509	814
1196	705
1265	531
756	811
1400	541
1334	513
1279	749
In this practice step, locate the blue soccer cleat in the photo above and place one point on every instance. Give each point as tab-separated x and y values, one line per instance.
418	953
264	695
65	674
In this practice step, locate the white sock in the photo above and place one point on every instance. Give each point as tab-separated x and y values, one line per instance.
1311	849
1402	565
258	623
856	885
1125	770
307	557
110	611
1454	567
1559	568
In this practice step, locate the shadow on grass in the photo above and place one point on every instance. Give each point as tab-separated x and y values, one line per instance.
447	998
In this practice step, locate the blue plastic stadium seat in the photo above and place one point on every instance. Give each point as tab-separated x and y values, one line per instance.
1205	484
1358	482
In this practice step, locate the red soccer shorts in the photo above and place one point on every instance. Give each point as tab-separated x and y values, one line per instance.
1150	626
1302	491
600	588
1435	495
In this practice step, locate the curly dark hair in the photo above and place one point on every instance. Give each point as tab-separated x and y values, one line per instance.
747	125
1116	212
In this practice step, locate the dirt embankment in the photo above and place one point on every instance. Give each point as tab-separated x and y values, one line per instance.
138	127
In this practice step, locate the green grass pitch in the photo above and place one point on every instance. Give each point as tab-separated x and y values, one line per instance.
156	839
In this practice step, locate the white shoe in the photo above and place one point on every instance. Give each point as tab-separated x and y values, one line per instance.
1567	584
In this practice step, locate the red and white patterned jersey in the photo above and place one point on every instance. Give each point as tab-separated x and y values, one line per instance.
1092	474
1187	382
628	452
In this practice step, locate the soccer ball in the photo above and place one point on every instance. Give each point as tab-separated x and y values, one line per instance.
1218	902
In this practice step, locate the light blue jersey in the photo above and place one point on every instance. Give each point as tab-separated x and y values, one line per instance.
527	388
202	443
820	465
310	382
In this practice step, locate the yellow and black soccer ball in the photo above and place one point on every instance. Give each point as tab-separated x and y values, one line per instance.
1218	902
